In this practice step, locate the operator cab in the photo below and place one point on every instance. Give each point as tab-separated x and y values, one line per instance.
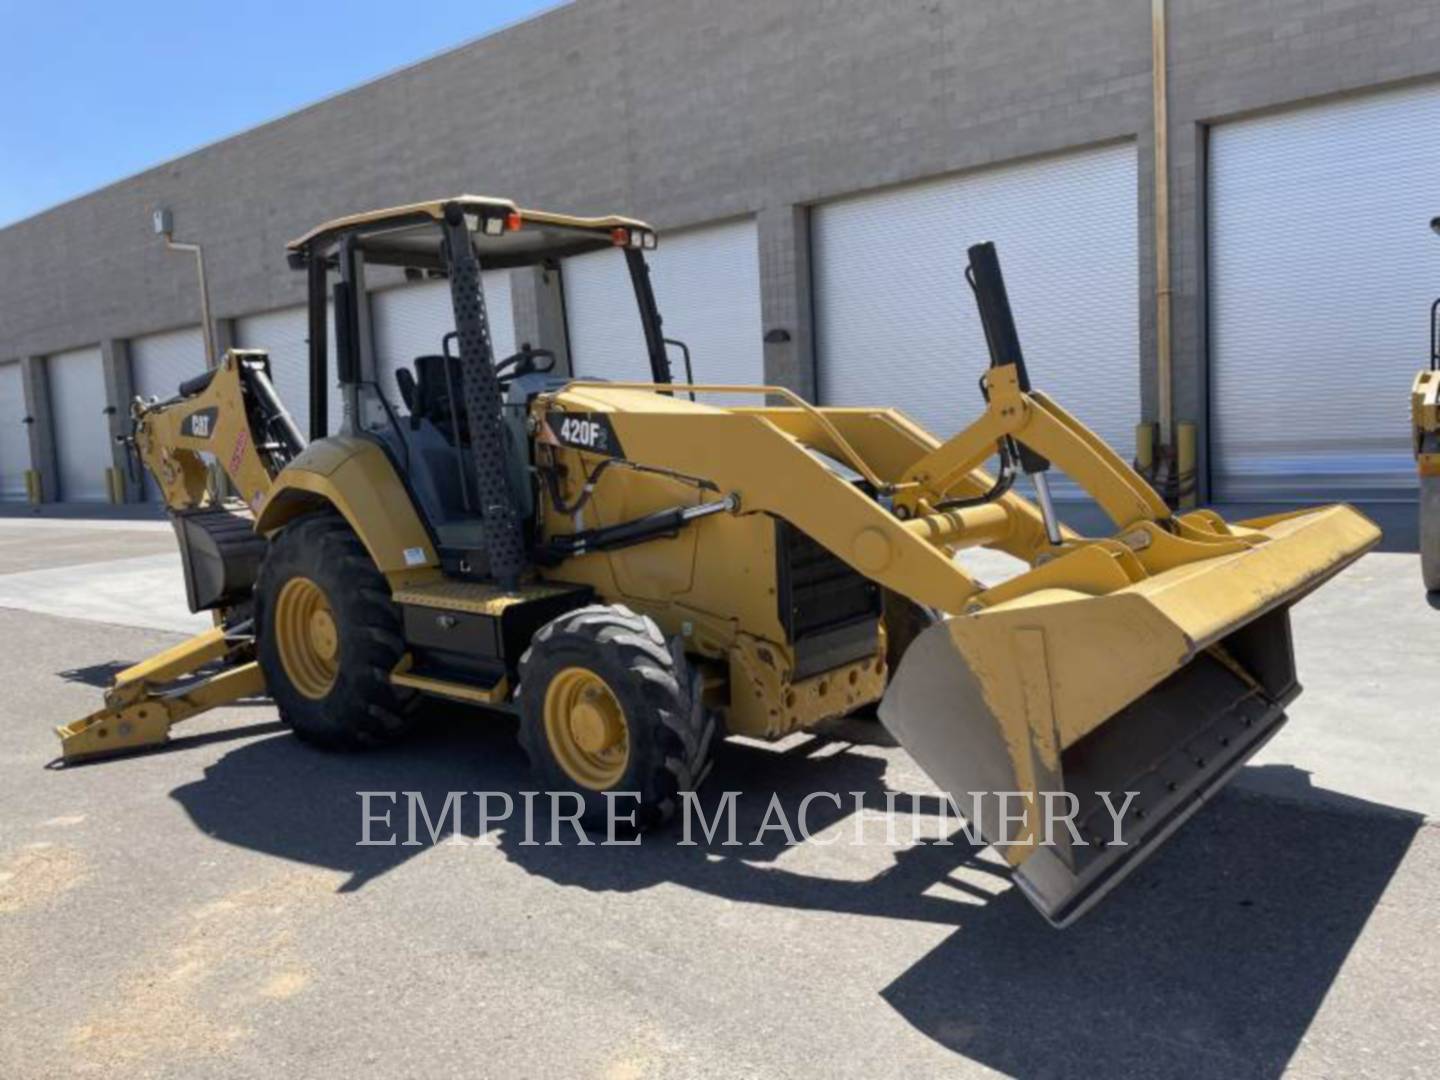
415	406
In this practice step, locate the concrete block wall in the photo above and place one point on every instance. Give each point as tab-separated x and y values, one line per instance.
686	112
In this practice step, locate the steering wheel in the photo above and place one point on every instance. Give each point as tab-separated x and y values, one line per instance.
525	362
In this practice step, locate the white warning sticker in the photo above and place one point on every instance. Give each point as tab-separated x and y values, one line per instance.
415	557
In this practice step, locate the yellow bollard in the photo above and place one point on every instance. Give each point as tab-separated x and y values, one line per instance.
1187	483
1145	450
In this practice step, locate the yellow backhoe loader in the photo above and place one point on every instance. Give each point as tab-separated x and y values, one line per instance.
633	571
1425	429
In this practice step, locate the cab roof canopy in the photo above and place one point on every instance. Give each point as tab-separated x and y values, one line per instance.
504	234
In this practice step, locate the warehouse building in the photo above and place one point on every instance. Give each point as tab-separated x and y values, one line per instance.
817	169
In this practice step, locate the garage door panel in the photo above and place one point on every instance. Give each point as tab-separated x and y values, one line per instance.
285	334
896	322
14	435
606	338
707	286
412	320
82	430
1321	274
159	363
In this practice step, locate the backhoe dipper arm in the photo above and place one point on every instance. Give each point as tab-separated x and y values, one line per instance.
216	414
233	415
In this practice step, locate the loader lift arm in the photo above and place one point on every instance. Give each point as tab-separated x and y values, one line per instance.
1156	660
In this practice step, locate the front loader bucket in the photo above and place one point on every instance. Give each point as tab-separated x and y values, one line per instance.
1071	700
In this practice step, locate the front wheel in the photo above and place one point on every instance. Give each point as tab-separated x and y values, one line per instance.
607	706
329	636
1430	531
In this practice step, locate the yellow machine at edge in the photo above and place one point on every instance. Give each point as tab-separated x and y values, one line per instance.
636	572
1425	435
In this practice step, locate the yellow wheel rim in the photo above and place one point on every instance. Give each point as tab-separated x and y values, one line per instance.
308	640
585	727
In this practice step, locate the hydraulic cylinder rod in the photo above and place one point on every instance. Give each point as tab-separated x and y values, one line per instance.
973	526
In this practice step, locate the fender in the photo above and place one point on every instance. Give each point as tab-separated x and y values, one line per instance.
355	477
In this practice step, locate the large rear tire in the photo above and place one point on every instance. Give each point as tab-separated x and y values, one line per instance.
328	637
1430	531
607	706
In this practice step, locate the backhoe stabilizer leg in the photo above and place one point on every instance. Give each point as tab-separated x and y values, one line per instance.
149	698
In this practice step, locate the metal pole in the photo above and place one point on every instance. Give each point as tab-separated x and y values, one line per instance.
207	328
1164	376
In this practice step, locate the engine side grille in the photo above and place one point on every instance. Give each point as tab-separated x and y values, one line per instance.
830	612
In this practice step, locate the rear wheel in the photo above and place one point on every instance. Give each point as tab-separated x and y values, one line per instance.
329	636
607	706
1430	531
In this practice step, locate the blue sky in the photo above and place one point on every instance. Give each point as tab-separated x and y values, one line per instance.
93	92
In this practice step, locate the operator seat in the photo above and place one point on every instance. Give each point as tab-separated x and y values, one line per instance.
428	394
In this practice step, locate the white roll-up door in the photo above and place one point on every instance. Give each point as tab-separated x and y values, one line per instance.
1321	275
159	363
82	430
896	321
707	286
412	320
285	335
14	435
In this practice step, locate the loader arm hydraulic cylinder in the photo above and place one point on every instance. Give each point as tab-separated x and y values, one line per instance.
998	321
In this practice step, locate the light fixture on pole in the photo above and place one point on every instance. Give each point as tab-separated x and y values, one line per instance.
164	227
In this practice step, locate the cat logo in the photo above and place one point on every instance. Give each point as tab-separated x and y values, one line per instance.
200	425
585	431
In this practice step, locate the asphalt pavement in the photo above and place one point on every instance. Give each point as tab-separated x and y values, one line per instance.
206	910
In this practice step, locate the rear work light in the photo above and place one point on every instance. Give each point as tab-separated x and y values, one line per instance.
632	238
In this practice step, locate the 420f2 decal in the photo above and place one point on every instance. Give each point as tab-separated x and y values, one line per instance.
590	432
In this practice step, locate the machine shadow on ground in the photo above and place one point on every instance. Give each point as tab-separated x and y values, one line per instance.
1211	960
